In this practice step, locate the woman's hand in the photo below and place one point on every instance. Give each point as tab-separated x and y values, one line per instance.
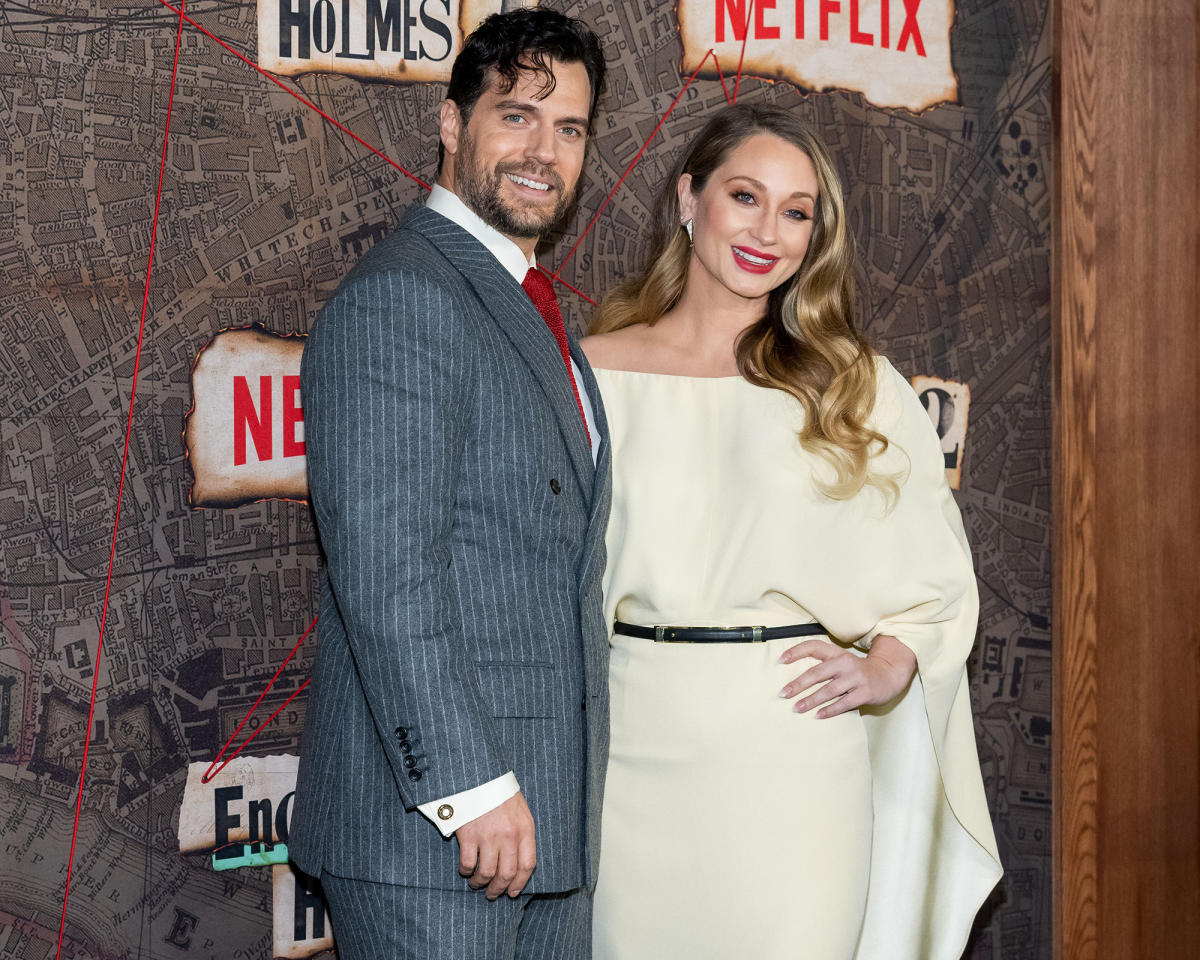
853	681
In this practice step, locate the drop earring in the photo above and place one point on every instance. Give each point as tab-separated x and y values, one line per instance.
688	227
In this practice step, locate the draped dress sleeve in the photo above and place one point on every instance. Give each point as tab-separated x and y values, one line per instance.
934	855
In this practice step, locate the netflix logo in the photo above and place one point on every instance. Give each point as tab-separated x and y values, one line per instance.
895	52
245	431
253	418
825	19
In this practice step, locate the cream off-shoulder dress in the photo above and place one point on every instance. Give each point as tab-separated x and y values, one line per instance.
734	827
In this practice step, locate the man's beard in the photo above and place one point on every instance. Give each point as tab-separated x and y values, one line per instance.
481	192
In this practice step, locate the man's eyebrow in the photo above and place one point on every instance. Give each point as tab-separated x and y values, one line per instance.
761	186
526	107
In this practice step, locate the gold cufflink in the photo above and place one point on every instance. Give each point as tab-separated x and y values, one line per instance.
445	811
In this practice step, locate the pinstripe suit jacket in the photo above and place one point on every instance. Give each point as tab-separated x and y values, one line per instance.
461	630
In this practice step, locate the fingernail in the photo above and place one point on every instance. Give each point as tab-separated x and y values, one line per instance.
783	693
784	658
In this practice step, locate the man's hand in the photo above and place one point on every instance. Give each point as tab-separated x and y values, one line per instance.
849	682
497	850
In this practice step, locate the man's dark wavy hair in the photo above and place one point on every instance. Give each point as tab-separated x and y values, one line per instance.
524	39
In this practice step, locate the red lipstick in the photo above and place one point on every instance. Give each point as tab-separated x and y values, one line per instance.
752	261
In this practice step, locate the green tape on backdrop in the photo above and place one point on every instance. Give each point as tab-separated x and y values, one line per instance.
278	853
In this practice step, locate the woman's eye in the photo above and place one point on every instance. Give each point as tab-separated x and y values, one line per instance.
798	215
741	196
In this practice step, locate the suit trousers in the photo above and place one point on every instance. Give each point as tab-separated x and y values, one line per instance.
385	921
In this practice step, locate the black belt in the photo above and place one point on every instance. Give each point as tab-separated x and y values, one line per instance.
662	634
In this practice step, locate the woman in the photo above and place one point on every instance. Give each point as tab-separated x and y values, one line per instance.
771	473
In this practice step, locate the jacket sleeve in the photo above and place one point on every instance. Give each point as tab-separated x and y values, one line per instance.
387	386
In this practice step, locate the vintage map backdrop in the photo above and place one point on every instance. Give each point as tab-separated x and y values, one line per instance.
264	208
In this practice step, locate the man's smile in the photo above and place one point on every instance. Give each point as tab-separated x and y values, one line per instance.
528	182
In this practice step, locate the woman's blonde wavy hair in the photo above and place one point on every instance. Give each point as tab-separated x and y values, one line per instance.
807	343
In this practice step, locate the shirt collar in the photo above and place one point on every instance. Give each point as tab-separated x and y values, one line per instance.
449	205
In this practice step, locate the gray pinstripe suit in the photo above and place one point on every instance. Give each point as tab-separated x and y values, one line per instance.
461	631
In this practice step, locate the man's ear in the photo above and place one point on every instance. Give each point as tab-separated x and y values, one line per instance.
450	126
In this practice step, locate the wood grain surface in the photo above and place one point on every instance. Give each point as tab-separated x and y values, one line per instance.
1073	347
1127	481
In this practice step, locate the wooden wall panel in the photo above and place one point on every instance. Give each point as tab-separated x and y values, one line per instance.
1073	348
1127	481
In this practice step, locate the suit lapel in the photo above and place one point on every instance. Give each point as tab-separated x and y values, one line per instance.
520	321
589	384
602	476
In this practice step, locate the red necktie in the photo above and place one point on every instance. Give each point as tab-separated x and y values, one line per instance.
541	292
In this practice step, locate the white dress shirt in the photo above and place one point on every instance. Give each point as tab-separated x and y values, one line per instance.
450	813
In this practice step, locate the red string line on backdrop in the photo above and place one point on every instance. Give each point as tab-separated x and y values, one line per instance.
112	552
179	11
741	57
299	96
210	772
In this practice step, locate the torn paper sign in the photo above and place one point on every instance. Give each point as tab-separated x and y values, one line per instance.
249	801
299	915
245	431
895	52
947	402
400	40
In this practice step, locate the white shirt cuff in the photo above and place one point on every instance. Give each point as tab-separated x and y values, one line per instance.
450	813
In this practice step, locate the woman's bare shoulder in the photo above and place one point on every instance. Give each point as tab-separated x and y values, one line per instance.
617	349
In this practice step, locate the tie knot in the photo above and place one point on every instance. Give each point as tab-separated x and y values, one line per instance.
539	287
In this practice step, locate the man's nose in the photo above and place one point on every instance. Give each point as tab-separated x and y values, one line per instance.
541	145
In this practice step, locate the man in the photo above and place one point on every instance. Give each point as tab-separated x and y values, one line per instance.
459	473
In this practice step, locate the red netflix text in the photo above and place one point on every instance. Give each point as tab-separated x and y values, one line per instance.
817	18
254	418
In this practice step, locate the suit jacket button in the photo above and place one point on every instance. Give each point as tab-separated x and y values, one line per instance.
445	811
405	746
555	486
402	733
410	761
414	775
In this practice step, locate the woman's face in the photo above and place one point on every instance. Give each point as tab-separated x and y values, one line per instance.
753	220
